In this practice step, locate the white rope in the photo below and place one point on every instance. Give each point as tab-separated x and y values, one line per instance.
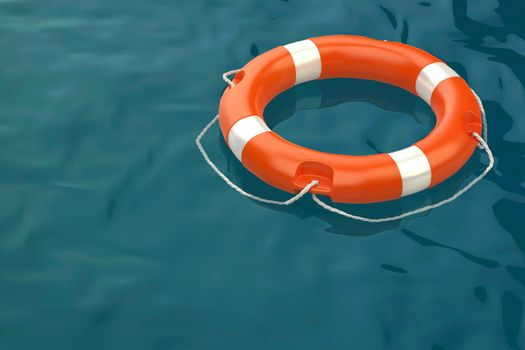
227	80
483	119
482	143
237	188
225	178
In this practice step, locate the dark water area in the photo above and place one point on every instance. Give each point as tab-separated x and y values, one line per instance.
116	235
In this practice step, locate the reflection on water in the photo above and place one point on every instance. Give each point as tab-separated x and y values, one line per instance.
512	314
429	243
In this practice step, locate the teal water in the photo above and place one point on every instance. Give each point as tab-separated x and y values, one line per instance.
116	235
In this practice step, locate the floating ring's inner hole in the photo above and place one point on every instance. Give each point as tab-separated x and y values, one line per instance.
349	116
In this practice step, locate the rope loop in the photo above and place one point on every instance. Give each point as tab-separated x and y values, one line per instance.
482	144
483	118
233	185
227	80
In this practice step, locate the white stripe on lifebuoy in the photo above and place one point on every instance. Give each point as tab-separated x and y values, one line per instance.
414	168
307	60
429	78
243	131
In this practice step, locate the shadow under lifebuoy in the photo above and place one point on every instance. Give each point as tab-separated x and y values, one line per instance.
326	93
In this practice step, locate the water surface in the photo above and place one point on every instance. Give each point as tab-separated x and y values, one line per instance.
116	235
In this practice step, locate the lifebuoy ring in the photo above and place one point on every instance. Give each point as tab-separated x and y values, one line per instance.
347	178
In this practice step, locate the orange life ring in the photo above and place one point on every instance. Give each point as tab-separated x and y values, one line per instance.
347	178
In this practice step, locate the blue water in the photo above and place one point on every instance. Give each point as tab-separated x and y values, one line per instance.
116	235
